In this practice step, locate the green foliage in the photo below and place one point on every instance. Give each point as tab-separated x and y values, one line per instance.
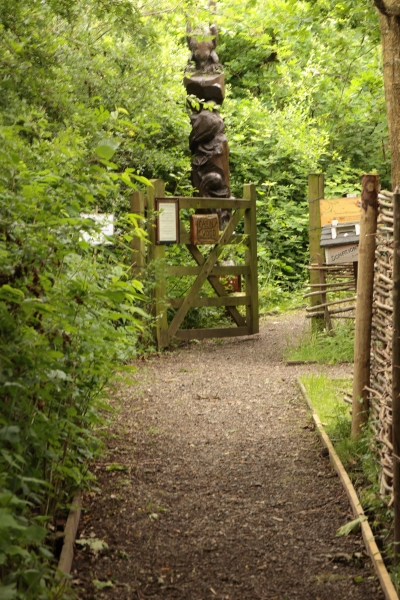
91	107
305	94
326	396
68	314
351	527
325	347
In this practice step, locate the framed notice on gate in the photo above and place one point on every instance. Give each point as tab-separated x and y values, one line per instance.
167	224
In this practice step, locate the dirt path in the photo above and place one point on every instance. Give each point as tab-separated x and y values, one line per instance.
225	493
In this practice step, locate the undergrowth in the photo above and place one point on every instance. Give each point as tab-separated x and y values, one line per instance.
325	347
69	315
358	457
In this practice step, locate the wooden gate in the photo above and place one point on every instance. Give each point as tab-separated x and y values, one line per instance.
207	269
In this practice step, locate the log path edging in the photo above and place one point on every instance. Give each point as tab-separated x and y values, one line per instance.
70	531
368	536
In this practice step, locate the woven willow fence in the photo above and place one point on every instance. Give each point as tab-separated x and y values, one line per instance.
381	344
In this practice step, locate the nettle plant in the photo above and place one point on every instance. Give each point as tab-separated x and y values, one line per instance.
68	315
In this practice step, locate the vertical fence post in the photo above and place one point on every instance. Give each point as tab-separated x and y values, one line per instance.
315	194
365	285
322	281
157	191
138	245
157	253
396	375
250	229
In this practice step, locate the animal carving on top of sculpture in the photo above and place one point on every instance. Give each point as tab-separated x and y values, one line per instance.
202	45
204	79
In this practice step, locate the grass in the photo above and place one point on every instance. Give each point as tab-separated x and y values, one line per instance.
357	456
325	348
326	396
273	298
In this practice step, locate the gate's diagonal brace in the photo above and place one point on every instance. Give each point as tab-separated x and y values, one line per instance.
218	287
204	273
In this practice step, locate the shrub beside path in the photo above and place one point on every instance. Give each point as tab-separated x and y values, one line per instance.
215	485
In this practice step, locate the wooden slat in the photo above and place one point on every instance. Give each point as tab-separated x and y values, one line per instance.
315	195
330	290
206	271
235	240
351	299
219	270
184	236
201	334
323	294
160	293
204	301
396	374
158	189
185	202
250	229
70	531
239	239
364	304
157	252
217	286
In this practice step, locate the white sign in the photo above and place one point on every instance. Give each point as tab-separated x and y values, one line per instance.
345	253
167	222
107	228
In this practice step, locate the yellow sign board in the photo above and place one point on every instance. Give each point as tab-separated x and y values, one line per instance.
344	210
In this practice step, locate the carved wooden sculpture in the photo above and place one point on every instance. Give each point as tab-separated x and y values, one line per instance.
204	79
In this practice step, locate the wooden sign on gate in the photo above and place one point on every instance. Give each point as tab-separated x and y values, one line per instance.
204	229
167	223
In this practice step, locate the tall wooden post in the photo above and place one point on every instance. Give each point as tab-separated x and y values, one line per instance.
138	244
396	375
321	274
315	194
157	253
250	229
365	285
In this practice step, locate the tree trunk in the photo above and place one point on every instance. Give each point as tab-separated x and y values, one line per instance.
390	32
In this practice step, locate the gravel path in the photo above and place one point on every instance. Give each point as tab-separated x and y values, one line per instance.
222	491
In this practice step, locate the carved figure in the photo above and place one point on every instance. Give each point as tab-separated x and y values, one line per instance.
202	49
204	79
207	128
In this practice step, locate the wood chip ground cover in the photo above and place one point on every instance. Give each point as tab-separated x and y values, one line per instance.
218	486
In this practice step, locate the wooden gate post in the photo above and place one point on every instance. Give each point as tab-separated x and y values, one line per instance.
321	275
156	253
250	229
315	194
365	285
396	375
138	244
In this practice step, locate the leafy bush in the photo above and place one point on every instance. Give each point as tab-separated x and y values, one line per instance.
68	315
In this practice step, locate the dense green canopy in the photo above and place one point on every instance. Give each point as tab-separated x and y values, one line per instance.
92	106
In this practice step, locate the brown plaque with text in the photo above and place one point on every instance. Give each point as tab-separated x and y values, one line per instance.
344	210
204	229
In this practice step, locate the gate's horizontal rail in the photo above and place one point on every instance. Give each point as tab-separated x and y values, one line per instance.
201	334
185	202
184	238
224	271
204	301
